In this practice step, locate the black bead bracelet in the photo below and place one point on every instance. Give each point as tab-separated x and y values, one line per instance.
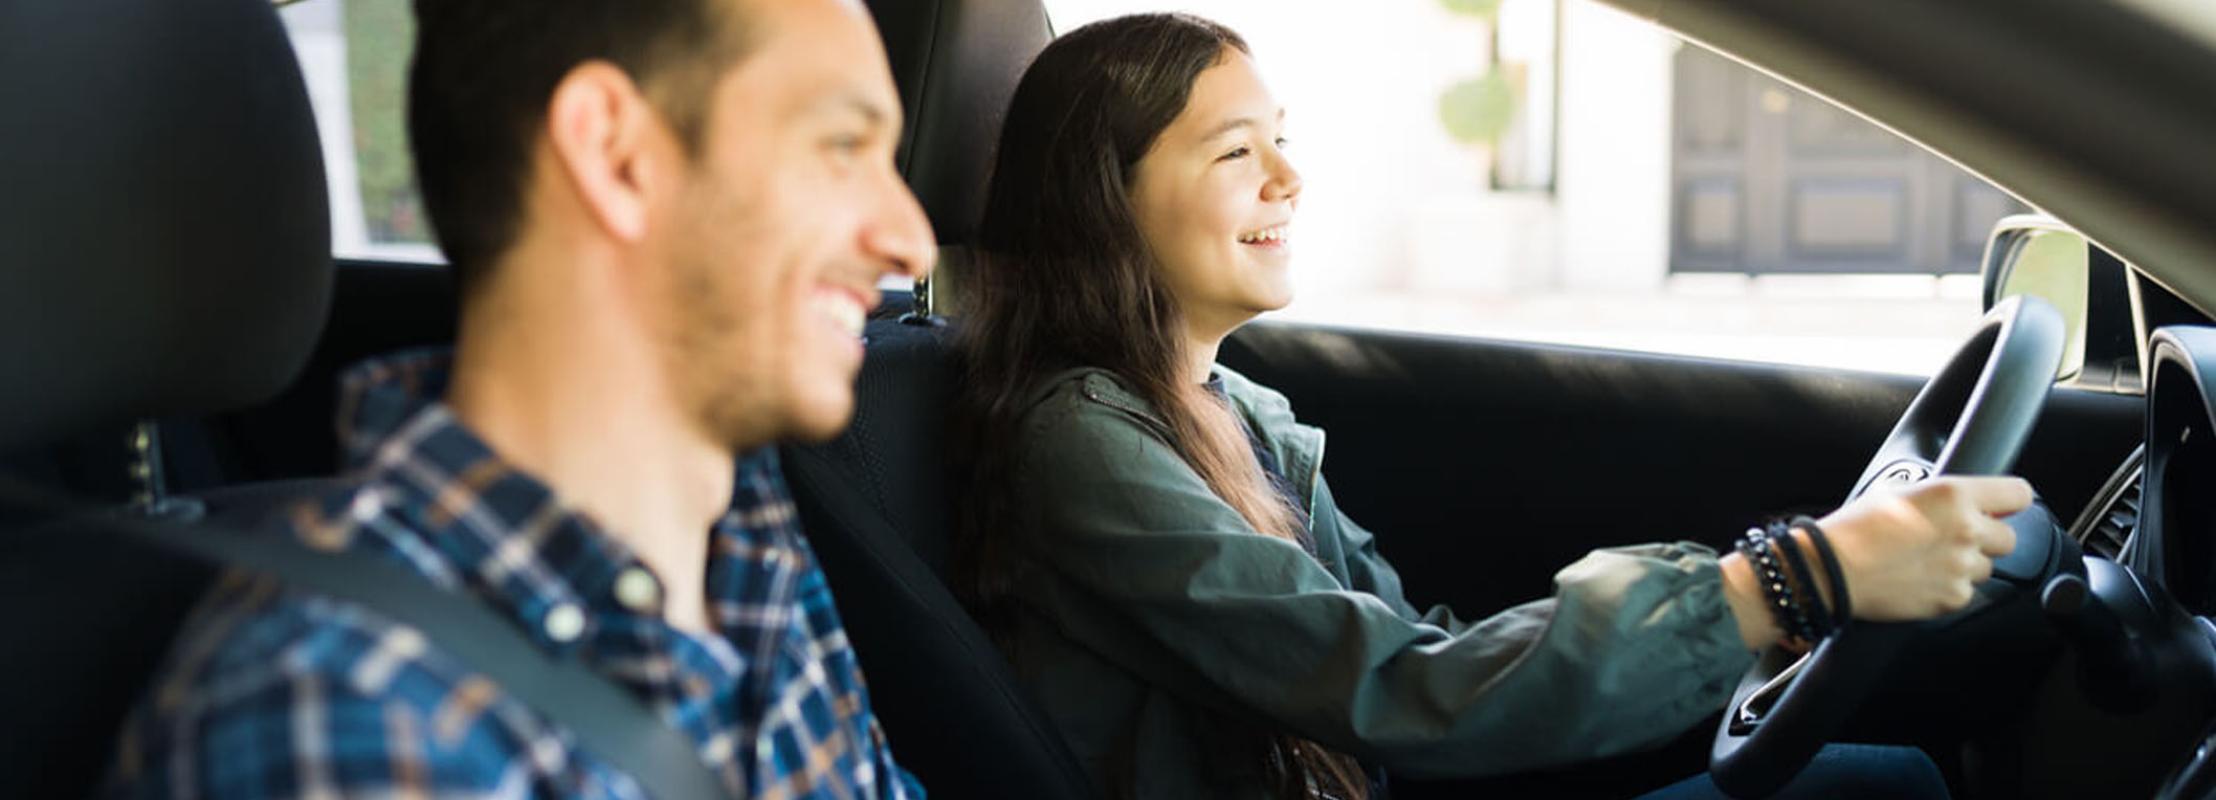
1789	586
1777	591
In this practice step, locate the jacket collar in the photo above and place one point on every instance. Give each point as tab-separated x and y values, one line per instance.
1298	447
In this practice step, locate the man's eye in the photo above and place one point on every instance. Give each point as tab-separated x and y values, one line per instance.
845	145
1235	155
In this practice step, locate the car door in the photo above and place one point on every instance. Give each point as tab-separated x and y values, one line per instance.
1483	465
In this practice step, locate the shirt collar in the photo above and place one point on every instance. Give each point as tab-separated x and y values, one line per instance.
378	397
500	530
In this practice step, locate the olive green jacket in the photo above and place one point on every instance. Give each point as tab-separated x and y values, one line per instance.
1159	630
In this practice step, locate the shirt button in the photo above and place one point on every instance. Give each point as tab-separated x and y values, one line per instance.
366	506
637	590
717	750
564	623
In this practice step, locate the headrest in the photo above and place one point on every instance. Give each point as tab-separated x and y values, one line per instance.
164	234
956	63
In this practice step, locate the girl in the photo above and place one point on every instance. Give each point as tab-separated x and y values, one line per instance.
1150	536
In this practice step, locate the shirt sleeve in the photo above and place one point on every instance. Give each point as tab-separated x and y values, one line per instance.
1143	564
909	787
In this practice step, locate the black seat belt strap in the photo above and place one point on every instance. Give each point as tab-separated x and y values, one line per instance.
608	721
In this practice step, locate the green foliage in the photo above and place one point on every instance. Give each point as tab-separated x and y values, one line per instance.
1474	8
380	36
1478	110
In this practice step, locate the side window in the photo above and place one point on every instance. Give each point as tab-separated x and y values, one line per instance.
354	54
1555	170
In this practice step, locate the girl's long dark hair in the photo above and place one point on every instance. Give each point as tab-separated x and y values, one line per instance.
1063	278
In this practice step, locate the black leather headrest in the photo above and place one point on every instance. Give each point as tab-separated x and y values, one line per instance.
164	232
956	63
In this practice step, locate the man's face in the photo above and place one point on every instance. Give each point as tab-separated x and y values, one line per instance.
779	234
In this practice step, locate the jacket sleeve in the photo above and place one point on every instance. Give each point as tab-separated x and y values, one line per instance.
1138	560
1369	571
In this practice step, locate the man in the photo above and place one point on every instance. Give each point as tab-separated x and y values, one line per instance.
667	221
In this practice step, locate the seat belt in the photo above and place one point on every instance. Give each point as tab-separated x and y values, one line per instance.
607	719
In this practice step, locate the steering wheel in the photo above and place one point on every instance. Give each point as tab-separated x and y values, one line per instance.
1971	419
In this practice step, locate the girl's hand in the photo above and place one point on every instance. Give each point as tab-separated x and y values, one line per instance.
1908	553
1916	552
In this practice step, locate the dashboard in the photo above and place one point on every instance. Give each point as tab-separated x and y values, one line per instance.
2144	659
2175	542
2137	615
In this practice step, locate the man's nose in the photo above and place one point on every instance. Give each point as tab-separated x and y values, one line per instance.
899	235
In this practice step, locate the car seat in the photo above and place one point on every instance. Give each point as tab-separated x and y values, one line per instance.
164	253
876	502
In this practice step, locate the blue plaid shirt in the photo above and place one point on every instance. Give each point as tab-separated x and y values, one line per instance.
271	692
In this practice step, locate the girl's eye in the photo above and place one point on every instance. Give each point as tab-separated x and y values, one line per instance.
1283	142
1235	155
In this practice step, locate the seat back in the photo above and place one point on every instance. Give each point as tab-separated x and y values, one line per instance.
877	506
877	502
88	620
164	253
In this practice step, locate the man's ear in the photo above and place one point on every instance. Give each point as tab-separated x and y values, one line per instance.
602	131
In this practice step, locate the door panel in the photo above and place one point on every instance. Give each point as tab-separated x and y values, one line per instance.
1485	466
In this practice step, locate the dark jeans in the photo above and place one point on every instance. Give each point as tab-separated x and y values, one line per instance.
1839	770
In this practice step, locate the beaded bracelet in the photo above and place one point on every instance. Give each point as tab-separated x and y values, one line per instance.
1784	606
1842	605
1819	619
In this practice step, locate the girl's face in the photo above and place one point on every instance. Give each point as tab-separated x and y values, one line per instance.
1214	200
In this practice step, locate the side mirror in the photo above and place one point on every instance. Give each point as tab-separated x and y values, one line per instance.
2033	254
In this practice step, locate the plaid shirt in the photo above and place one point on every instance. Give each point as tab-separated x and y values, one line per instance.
271	692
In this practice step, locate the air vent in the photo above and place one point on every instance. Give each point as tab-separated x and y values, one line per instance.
2106	527
2113	530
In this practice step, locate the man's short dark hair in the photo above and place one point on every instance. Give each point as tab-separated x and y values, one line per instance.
485	70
